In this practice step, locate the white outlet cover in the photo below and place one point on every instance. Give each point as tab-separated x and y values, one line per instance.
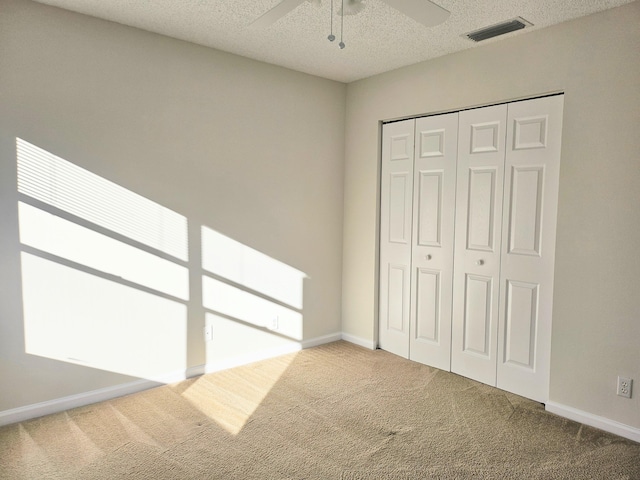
624	387
208	333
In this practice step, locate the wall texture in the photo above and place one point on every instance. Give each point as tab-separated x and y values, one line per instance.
596	62
252	151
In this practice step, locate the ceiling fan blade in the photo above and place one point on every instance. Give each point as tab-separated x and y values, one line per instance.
276	13
422	11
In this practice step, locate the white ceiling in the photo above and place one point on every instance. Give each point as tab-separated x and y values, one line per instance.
377	40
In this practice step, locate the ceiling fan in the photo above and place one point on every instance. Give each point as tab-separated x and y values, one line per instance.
422	11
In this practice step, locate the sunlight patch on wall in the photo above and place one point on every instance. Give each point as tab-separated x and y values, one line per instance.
235	343
104	274
61	184
80	318
238	304
65	239
105	281
234	261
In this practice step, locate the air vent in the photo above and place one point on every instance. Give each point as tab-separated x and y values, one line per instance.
499	29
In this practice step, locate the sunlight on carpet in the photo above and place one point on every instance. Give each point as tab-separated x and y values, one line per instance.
229	398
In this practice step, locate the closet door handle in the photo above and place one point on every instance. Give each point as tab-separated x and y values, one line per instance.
480	262
428	257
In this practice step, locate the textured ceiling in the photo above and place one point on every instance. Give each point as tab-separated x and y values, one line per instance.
377	40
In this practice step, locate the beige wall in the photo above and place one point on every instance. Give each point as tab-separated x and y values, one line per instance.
248	149
596	62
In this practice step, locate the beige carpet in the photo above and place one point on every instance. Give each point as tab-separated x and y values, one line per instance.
331	412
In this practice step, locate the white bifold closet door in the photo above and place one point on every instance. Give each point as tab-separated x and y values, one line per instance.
467	241
476	287
432	253
396	207
507	194
532	173
416	247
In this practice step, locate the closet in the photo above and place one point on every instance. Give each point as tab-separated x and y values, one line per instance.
467	241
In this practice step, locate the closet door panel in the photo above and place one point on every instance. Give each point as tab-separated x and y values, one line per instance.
436	145
427	316
478	223
429	214
396	216
528	246
481	209
478	298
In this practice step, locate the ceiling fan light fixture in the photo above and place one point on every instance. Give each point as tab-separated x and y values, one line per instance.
352	7
509	26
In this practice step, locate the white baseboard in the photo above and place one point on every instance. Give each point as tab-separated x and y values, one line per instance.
359	341
57	405
72	401
596	421
314	342
240	360
193	372
269	353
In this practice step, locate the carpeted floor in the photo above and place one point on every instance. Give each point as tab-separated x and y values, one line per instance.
333	412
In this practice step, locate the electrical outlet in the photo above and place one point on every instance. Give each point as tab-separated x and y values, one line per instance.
624	387
208	333
273	325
